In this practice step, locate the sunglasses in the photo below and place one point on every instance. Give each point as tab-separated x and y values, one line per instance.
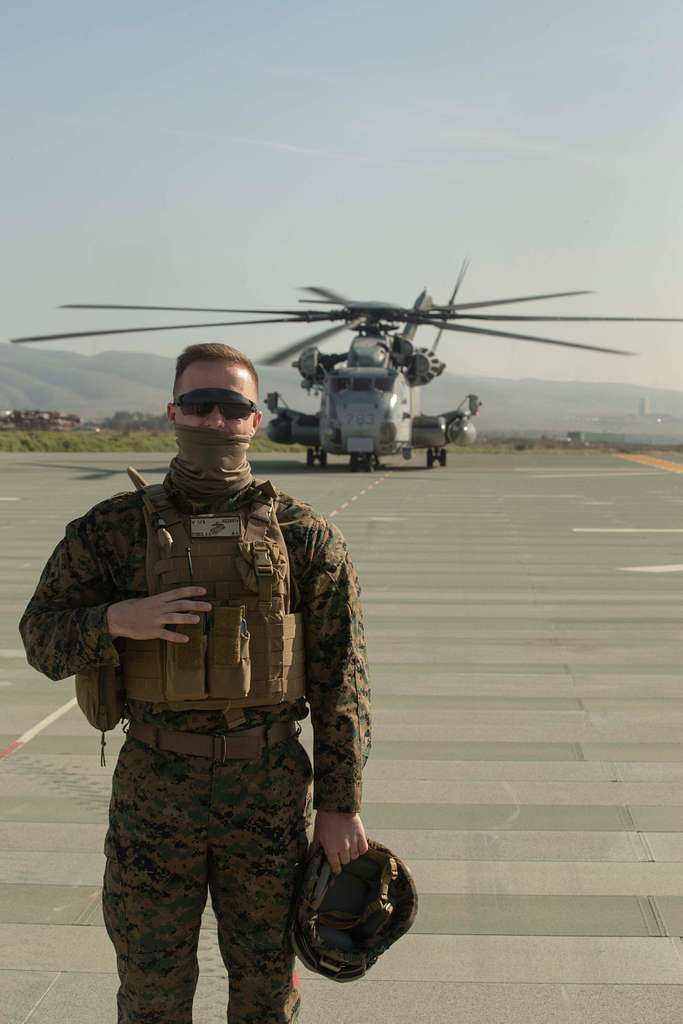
201	402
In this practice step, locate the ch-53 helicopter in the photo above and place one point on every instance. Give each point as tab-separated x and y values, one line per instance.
369	398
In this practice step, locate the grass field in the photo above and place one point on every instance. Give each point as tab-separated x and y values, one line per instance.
108	441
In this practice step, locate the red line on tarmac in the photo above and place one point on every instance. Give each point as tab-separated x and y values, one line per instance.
10	750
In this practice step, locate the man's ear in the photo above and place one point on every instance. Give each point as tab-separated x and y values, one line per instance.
258	416
170	412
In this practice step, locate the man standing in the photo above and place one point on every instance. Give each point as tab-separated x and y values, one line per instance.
226	610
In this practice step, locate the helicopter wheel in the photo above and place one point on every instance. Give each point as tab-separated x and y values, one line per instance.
353	464
430	458
442	457
322	458
310	457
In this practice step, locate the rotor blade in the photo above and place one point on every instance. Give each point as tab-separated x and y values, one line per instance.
529	337
281	355
168	327
326	293
581	319
461	275
458	282
502	302
181	309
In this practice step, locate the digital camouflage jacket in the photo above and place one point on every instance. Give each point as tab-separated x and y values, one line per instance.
101	560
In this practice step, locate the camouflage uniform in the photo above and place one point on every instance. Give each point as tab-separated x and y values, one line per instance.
180	825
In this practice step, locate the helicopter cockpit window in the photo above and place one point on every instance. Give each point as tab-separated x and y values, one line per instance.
339	383
362	383
385	384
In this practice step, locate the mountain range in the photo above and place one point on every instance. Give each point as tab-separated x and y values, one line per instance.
97	386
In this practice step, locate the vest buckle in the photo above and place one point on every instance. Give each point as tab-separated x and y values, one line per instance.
263	565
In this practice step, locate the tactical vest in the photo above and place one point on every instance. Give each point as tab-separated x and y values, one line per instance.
248	651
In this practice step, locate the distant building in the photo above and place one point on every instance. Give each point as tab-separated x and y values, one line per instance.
36	419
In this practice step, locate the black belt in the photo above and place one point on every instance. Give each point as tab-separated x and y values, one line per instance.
247	744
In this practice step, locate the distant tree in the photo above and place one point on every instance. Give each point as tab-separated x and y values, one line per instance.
123	421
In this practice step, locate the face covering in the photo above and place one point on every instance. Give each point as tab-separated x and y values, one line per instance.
209	463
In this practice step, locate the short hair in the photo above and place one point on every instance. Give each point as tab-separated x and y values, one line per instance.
212	350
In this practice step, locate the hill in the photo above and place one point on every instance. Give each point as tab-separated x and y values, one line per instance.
97	386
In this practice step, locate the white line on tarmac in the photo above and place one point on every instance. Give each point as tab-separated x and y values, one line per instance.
577	476
355	497
10	499
33	732
620	529
652	568
541	471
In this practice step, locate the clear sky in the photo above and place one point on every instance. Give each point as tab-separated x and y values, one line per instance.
213	153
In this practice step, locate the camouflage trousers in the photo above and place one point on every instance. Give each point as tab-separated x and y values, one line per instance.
181	827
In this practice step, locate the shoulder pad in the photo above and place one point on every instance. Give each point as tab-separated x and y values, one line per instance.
266	488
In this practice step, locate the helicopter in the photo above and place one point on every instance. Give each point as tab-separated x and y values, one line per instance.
369	405
369	394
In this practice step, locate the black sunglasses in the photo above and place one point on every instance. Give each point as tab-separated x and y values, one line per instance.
202	401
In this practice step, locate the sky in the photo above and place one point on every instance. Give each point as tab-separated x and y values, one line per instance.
225	154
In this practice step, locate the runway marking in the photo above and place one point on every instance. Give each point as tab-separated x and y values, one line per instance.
620	529
10	499
567	471
34	730
608	473
650	460
355	497
652	568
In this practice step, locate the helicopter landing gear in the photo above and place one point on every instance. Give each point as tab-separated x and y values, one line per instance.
436	455
316	453
363	462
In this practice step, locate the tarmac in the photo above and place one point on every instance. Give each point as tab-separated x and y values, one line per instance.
524	629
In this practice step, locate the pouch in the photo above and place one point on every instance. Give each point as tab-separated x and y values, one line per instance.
185	675
228	660
100	695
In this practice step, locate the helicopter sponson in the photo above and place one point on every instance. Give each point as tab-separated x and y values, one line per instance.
437	431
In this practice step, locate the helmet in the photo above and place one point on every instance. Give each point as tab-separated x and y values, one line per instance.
343	923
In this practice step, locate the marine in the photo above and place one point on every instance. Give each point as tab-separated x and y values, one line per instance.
213	613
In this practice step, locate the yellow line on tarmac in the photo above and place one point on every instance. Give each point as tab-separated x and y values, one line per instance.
650	460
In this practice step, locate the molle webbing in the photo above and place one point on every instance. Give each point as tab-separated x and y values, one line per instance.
249	650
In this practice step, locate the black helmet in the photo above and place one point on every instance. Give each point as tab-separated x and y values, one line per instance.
343	923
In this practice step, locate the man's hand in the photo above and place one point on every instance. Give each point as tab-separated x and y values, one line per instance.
341	836
146	618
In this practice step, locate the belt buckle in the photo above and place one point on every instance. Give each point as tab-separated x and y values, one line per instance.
223	757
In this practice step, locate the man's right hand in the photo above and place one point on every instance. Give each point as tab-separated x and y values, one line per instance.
146	618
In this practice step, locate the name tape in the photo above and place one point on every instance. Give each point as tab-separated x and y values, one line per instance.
216	526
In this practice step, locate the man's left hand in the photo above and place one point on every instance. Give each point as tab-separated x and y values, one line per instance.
341	836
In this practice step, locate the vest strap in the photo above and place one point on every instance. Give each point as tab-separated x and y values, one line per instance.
264	571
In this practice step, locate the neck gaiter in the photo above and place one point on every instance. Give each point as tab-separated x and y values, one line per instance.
209	463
